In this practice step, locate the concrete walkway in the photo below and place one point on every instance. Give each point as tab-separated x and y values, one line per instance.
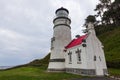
95	78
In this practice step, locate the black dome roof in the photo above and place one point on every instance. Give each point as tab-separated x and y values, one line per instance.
62	9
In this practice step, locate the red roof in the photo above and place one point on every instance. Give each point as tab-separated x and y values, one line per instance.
76	42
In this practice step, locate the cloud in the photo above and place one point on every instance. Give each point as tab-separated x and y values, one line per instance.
26	26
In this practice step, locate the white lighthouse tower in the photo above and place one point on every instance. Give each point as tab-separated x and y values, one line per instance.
61	37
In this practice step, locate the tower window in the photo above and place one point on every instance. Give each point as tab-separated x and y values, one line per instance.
70	57
52	39
78	55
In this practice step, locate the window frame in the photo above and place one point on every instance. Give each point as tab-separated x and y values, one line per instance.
70	57
79	59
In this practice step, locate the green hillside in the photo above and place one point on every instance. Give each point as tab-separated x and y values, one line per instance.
40	62
34	73
111	42
35	70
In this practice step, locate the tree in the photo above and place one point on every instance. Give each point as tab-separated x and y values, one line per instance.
99	9
116	9
91	18
105	3
109	12
112	15
102	7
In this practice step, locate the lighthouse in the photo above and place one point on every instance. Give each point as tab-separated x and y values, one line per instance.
83	55
61	37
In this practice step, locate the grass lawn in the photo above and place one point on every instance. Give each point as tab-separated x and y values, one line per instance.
34	73
40	73
115	72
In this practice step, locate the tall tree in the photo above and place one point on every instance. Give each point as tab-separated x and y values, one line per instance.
91	18
99	9
103	6
112	15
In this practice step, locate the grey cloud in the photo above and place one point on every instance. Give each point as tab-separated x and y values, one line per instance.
26	26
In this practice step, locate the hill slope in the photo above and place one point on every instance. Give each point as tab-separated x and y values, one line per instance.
40	62
34	73
111	42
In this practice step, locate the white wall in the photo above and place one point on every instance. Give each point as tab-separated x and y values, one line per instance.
93	48
75	63
56	65
62	36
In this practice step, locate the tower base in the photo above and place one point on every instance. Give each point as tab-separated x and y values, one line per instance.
56	70
56	65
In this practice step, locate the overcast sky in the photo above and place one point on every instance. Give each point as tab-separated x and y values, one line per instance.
26	26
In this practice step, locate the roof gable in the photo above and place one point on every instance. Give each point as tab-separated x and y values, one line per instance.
76	42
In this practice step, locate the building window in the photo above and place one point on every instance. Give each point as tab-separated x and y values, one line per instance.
70	57
100	58
84	40
78	55
94	58
84	45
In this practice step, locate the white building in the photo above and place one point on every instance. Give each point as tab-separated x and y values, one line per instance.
83	55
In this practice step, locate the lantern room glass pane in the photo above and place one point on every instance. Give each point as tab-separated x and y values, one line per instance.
62	13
